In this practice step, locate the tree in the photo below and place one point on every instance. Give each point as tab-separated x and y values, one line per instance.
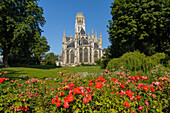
142	25
50	58
20	22
39	49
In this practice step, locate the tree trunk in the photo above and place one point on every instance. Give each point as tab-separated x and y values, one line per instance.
5	58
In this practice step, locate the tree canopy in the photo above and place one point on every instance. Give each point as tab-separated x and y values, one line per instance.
20	22
40	48
142	25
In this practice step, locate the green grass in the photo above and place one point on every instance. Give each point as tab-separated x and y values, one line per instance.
41	72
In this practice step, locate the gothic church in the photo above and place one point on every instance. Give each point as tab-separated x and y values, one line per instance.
82	48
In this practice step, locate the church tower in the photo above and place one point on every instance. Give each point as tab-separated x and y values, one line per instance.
82	48
79	23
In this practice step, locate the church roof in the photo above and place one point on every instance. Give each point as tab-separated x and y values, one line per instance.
82	31
67	38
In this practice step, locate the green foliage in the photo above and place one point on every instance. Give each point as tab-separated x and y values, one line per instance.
135	61
20	22
40	48
105	58
139	25
50	59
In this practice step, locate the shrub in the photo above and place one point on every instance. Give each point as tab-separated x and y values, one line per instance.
135	61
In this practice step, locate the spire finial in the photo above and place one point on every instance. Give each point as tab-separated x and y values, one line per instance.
92	35
95	36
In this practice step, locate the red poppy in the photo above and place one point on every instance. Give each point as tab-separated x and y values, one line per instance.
85	100
64	69
1	80
126	104
53	101
72	85
138	97
98	85
122	86
76	90
61	94
145	88
58	103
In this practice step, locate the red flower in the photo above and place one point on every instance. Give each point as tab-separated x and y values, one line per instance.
53	101
122	86
89	98
85	100
138	97
70	98
1	80
83	94
56	98
145	88
152	89
101	79
140	107
64	69
76	90
126	104
147	103
58	103
129	93
90	84
72	85
66	105
132	111
61	94
98	85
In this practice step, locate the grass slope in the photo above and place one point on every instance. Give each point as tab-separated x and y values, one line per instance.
47	71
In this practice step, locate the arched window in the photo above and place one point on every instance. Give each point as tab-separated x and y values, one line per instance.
72	56
95	55
95	46
99	54
67	56
85	55
80	54
70	45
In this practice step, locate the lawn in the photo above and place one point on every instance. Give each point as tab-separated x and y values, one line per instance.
47	71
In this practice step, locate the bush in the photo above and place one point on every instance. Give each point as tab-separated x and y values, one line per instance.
135	61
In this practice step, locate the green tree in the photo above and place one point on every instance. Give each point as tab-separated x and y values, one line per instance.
50	58
142	25
39	49
20	22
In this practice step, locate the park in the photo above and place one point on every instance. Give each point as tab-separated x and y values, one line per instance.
124	69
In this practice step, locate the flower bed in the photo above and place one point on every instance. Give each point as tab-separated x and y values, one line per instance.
107	93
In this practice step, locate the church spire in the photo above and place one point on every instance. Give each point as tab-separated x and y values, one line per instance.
64	37
92	35
95	36
100	42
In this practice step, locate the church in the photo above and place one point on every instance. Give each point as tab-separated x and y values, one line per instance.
82	48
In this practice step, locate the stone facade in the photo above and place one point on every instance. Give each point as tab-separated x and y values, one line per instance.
82	48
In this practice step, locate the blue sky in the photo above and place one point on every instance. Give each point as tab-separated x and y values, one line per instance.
60	15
